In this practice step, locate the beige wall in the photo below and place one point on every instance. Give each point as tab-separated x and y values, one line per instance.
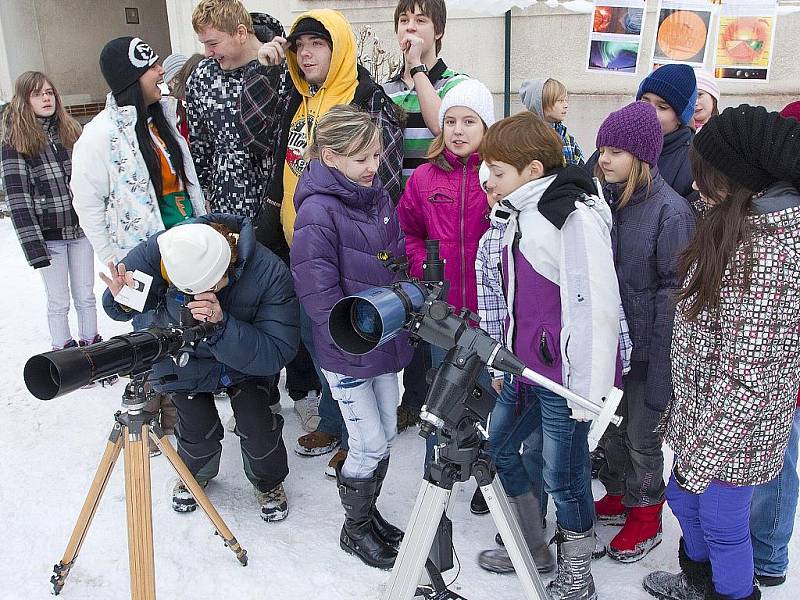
64	38
552	42
183	36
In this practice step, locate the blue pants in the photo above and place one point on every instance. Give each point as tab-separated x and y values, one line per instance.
772	512
565	452
500	424
371	409
330	416
715	526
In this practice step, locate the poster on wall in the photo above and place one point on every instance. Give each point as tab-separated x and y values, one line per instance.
615	39
745	41
683	32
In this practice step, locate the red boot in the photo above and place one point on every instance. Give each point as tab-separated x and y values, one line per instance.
610	510
641	533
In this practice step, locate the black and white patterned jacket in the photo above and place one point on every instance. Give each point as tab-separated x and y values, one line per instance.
736	369
234	176
39	198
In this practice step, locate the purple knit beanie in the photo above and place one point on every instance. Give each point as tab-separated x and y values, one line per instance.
635	129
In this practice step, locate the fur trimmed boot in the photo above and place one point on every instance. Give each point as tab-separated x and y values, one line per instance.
692	583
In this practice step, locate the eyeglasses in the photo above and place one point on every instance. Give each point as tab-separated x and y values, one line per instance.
48	93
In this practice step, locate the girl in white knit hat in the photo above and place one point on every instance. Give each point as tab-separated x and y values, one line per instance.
708	95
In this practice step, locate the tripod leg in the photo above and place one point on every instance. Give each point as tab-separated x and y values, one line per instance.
199	494
104	469
140	514
428	510
515	544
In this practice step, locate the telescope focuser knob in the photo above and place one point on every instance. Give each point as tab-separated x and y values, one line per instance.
439	311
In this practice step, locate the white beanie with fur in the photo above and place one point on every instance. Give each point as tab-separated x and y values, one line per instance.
473	95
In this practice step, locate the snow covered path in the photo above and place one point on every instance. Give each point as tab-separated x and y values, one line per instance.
49	452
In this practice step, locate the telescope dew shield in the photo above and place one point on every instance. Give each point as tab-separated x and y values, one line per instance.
59	372
360	323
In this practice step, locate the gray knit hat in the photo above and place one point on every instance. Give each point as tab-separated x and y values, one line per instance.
530	93
172	64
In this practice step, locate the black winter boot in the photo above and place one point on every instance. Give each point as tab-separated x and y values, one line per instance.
692	583
714	595
386	531
358	536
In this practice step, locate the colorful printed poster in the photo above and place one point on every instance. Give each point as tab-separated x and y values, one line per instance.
745	42
683	32
616	36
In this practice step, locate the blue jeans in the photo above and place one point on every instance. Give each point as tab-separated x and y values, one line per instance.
500	423
772	512
330	416
565	454
715	528
371	409
437	356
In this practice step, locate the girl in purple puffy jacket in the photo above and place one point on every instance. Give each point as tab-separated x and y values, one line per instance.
345	219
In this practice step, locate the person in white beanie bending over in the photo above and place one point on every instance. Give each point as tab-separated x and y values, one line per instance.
215	267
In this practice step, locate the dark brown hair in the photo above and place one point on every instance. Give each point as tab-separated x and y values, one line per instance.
435	10
721	230
20	129
521	139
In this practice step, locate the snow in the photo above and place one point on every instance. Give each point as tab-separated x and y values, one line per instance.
50	451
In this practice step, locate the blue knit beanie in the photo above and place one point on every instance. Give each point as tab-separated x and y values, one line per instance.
677	85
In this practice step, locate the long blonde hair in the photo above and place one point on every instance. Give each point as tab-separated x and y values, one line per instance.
19	127
640	176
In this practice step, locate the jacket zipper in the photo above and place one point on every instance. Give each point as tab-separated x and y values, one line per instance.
461	239
544	350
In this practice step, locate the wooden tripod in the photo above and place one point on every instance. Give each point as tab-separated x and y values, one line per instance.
129	436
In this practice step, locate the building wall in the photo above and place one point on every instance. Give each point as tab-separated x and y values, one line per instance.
184	39
63	38
550	42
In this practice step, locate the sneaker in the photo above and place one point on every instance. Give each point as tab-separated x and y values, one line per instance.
307	408
182	499
96	339
770	580
406	418
641	533
274	506
334	462
316	443
610	510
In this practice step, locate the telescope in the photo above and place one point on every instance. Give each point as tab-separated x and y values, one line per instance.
60	372
360	323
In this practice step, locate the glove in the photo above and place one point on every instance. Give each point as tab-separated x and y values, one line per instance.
579	413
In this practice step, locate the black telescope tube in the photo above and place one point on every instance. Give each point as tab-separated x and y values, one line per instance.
59	372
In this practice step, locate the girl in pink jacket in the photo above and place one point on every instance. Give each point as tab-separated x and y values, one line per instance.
443	199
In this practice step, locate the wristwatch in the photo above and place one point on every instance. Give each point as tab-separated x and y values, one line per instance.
423	68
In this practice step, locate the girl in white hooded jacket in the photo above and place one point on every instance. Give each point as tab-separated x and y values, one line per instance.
132	174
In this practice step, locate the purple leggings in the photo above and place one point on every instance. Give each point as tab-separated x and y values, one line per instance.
716	527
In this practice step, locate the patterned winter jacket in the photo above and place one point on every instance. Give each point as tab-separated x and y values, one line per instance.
37	190
234	175
112	192
736	369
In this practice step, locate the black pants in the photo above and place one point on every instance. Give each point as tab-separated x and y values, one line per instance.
301	376
199	434
415	383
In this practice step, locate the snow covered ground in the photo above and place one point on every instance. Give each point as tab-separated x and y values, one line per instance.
49	452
